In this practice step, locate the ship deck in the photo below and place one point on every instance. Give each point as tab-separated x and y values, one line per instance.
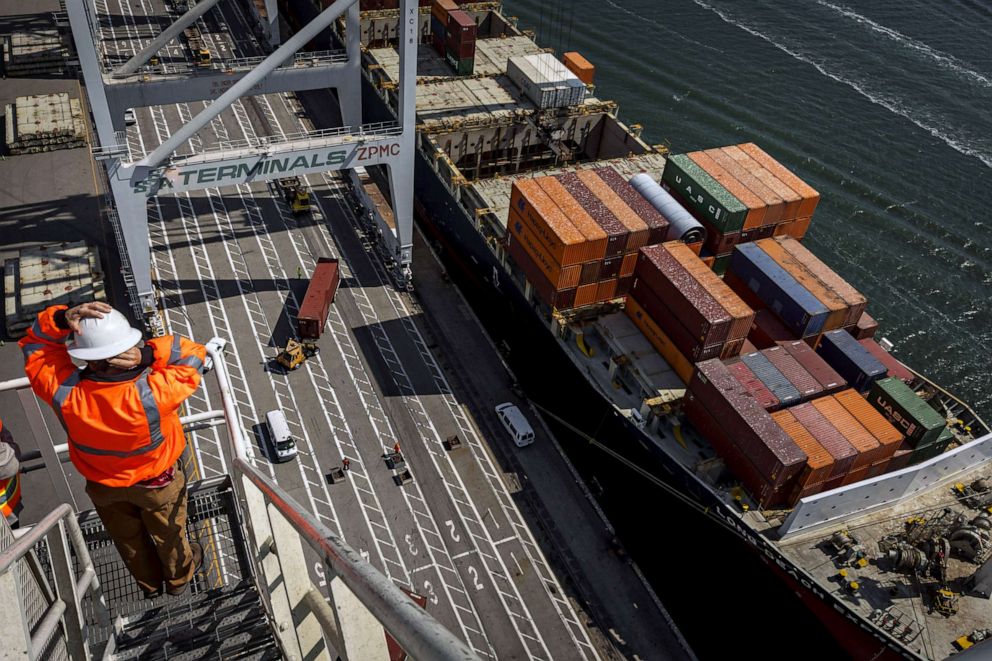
503	545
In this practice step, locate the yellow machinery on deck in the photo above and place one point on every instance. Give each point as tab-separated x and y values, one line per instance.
295	353
296	194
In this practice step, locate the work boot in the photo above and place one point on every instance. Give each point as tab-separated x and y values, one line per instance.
197	564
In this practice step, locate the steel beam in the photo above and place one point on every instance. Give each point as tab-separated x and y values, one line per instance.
167	35
401	174
243	86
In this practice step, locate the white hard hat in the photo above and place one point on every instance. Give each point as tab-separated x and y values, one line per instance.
103	338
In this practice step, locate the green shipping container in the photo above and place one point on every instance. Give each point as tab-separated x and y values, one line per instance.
720	264
463	67
916	419
704	194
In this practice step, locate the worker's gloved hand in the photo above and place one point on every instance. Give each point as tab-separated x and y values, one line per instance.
126	360
92	310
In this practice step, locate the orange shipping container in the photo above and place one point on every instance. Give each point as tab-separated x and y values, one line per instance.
696	247
819	462
756	207
869	449
607	290
797	228
580	66
810	197
876	424
561	277
596	238
854	299
628	264
586	294
839	312
791	199
679	363
543	217
774	202
638	228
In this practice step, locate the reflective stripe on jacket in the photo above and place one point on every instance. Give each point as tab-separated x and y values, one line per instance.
123	432
10	495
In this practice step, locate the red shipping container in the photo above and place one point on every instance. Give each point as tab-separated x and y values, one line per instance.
819	462
617	234
771	450
732	349
312	315
813	363
461	27
743	291
657	224
856	476
794	373
767	330
800	492
718	242
758	390
689	345
611	267
896	369
638	229
747	347
865	328
879	468
624	285
590	273
901	457
463	51
846	456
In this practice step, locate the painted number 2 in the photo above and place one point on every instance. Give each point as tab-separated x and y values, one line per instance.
451	528
475	578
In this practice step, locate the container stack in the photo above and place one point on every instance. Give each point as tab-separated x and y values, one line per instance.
440	11
803	298
576	238
580	66
851	360
686	311
44	123
546	81
460	46
778	380
754	447
34	53
740	194
925	430
893	367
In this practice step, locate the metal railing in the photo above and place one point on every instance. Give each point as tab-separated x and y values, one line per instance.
347	620
307	139
166	70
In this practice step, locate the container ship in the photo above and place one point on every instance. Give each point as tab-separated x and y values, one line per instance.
676	287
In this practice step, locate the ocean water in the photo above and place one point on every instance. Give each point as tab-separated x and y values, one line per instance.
885	107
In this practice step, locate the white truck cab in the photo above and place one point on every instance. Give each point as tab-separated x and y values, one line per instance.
513	419
282	440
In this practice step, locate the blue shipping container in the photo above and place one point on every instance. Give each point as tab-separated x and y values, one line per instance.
438	28
800	310
773	379
851	360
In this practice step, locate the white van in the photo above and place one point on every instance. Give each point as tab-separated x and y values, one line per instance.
282	441
513	419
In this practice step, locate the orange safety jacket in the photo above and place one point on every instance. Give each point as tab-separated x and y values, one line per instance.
10	492
120	433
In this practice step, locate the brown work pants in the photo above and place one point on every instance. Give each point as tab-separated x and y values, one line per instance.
148	527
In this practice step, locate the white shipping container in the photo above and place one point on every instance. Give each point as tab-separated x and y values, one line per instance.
546	81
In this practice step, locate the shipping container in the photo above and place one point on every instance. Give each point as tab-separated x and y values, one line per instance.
781	292
758	390
545	80
774	204
538	212
844	454
756	234
624	285
681	365
439	29
819	462
561	277
771	450
907	412
871	451
611	267
851	360
637	229
607	290
838	309
764	493
545	291
456	52
312	315
703	194
756	207
809	196
586	295
865	328
855	300
888	436
721	264
462	66
796	229
818	368
901	458
791	200
461	27
441	8
894	367
790	368
717	242
688	344
732	349
616	232
772	378
594	235
656	222
580	66
589	273
628	265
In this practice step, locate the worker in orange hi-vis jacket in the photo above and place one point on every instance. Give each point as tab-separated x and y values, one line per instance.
10	482
120	413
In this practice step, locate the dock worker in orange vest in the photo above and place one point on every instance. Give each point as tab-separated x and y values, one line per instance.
120	413
10	483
